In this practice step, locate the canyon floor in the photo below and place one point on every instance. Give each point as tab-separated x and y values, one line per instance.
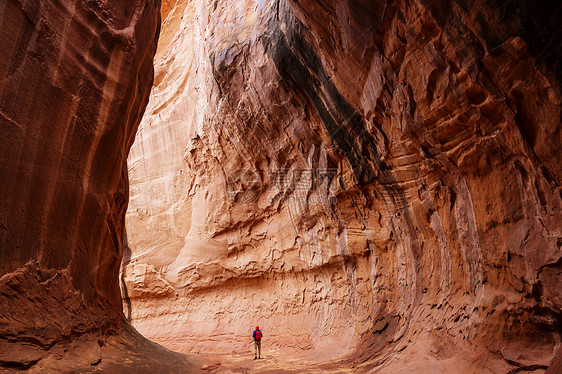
273	360
330	361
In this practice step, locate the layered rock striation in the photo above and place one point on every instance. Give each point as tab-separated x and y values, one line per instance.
74	82
373	179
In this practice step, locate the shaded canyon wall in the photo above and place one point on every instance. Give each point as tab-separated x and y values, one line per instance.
370	178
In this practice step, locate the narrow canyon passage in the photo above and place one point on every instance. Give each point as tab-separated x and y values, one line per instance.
375	183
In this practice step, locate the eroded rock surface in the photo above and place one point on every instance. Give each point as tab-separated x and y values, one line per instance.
75	77
365	178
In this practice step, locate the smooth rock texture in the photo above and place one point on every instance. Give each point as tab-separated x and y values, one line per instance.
369	179
75	77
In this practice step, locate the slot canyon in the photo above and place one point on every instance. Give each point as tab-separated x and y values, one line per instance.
375	183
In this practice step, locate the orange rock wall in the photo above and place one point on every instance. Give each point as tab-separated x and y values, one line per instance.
430	234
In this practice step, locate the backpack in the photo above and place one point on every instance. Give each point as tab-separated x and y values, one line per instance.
258	335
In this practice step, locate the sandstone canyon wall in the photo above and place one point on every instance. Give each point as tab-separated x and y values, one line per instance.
373	179
75	78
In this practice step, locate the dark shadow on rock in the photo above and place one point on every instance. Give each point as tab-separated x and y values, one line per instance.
124	263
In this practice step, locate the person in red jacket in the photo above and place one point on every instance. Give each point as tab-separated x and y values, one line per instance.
257	335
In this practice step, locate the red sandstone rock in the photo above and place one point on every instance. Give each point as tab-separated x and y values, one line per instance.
435	244
74	82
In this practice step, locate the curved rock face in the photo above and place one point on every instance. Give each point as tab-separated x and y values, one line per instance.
75	78
371	178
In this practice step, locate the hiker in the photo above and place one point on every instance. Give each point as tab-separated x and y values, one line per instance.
257	335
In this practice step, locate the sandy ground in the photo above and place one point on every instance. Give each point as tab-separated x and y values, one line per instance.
272	360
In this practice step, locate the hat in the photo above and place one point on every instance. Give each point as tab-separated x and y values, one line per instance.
257	327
